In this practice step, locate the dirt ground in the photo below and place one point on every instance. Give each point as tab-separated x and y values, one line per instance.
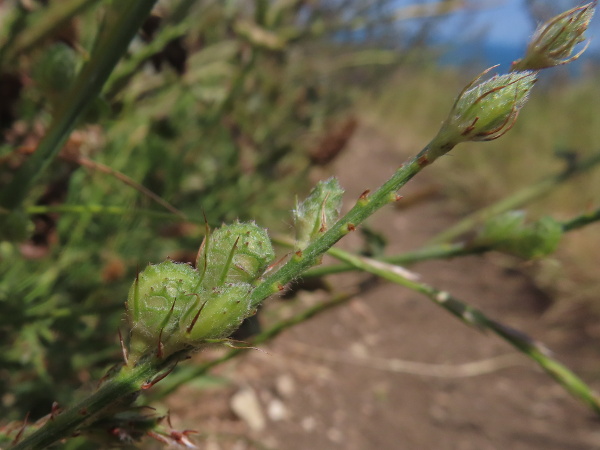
389	369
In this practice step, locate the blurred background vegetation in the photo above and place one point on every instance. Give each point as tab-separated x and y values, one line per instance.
220	110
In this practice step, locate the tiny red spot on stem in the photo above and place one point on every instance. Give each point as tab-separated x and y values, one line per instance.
351	227
364	195
423	161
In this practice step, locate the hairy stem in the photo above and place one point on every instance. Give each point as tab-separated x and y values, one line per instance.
119	391
441	251
364	207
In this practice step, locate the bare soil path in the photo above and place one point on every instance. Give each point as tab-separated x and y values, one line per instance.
390	370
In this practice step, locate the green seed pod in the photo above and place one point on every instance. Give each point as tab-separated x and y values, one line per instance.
159	298
509	233
173	307
220	313
541	240
318	211
237	253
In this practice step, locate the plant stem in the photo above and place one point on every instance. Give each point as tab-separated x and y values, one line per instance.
472	316
50	19
120	77
440	251
443	251
100	209
581	221
516	200
119	390
364	207
123	19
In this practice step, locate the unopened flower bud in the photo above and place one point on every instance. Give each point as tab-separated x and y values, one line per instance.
485	111
554	41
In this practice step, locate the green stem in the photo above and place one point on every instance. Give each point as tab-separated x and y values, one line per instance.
515	201
364	208
581	221
472	316
50	19
99	209
123	19
129	68
441	251
119	391
444	251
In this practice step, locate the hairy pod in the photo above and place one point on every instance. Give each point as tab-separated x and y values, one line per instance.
319	211
220	312
160	297
509	233
237	253
173	307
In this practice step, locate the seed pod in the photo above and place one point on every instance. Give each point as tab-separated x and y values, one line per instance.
320	210
158	299
220	313
237	253
509	233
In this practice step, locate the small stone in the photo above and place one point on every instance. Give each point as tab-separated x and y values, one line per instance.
308	423
285	385
246	406
276	410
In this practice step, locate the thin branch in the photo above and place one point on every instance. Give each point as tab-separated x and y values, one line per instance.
474	317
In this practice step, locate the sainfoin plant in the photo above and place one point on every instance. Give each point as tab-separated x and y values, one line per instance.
174	309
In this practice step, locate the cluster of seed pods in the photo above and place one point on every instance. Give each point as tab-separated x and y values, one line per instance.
174	306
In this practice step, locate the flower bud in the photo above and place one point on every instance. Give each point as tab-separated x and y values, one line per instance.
554	41
484	112
318	211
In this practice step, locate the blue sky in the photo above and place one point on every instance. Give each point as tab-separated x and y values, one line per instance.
496	23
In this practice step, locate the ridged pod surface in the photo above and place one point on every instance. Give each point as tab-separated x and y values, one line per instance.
159	298
172	306
234	253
